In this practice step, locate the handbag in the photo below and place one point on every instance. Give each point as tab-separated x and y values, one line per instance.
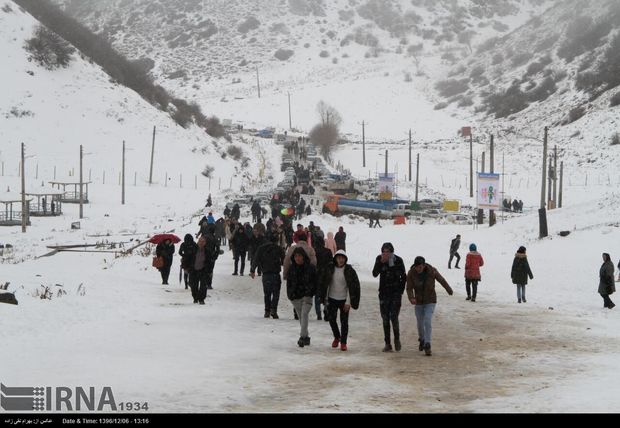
610	289
158	262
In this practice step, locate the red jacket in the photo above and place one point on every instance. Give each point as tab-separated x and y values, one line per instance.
473	262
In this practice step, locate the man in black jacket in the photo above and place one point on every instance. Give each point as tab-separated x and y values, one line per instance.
301	285
392	279
454	248
269	257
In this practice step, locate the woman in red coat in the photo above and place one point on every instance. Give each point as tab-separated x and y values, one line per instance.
473	261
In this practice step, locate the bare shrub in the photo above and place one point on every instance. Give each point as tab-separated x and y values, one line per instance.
48	49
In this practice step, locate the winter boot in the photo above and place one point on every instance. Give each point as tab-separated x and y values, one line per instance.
469	298
397	346
267	314
274	315
300	342
343	346
335	343
421	345
307	341
387	347
427	349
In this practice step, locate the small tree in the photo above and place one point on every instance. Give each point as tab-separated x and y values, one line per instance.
326	134
48	49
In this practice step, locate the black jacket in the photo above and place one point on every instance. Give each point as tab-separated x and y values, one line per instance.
392	280
340	239
165	251
268	257
350	277
187	251
301	280
240	240
520	270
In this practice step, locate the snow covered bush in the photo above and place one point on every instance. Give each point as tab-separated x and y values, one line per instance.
48	49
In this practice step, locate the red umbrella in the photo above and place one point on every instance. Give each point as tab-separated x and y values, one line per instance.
156	239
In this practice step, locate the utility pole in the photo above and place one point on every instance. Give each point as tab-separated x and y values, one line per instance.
491	170
363	144
561	183
257	82
81	183
386	163
290	126
410	155
542	212
152	156
417	176
123	177
550	184
480	217
471	165
555	176
24	206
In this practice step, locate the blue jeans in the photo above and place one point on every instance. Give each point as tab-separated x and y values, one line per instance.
424	317
271	289
317	304
520	292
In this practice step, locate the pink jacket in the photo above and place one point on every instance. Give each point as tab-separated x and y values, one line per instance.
330	243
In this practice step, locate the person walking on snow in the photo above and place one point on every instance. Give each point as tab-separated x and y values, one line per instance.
340	291
606	285
520	272
421	292
473	262
166	250
454	248
392	278
268	257
187	251
341	239
301	285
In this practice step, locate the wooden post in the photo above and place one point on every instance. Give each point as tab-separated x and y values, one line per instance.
257	82
181	180
81	183
410	155
555	176
123	176
152	157
542	213
417	176
471	165
561	184
491	170
135	178
22	172
363	144
166	183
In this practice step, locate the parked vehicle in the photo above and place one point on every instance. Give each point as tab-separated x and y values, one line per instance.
264	133
430	203
459	218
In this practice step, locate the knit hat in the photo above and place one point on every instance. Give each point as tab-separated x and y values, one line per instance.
419	261
472	247
387	246
521	250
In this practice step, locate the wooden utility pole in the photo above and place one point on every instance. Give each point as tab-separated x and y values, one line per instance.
152	157
550	184
542	212
23	174
81	183
417	176
555	176
290	126
471	165
257	82
561	184
410	155
491	170
480	217
363	144
123	177
483	165
386	163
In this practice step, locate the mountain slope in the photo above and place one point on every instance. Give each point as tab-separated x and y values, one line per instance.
54	111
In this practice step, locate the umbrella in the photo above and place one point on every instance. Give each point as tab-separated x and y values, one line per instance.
287	211
156	239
